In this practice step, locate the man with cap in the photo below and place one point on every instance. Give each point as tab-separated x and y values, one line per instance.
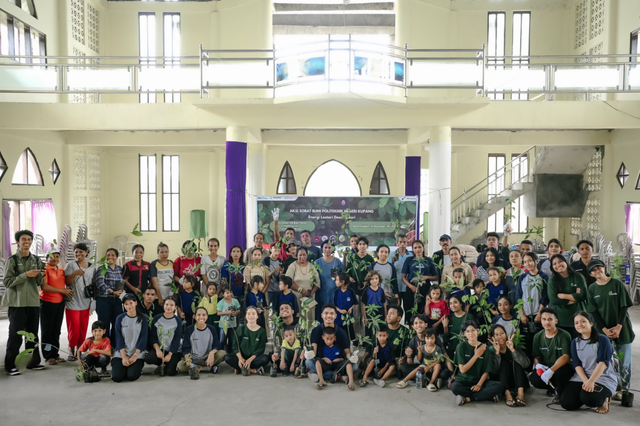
441	257
52	307
24	275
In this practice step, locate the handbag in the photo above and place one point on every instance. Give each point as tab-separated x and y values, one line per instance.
88	291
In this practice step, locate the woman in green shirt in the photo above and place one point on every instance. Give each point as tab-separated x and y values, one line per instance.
471	382
608	302
453	324
567	291
248	347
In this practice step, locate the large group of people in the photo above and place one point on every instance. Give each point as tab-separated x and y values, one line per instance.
486	329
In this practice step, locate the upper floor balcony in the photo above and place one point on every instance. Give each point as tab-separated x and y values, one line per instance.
337	65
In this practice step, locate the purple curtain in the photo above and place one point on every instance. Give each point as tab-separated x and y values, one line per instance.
627	220
236	186
6	230
43	221
412	185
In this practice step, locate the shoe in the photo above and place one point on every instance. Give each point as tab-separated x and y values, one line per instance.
61	360
52	361
71	358
379	382
432	387
313	377
13	372
194	373
460	400
551	393
401	384
214	369
617	396
36	367
439	383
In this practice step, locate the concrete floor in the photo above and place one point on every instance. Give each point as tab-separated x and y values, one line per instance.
54	397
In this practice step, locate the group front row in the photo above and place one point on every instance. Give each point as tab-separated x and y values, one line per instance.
576	372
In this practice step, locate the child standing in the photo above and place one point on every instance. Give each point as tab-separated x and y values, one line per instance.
384	361
228	309
373	295
436	309
210	303
290	351
287	296
432	368
275	268
333	359
345	299
256	297
96	352
188	299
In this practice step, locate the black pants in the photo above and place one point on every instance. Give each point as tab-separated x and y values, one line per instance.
22	319
51	316
170	367
560	379
108	309
512	376
96	361
444	373
339	367
407	298
575	397
131	373
404	369
530	331
259	361
439	329
489	389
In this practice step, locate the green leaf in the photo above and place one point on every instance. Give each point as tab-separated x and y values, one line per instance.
384	201
411	207
381	212
22	355
137	233
403	210
389	241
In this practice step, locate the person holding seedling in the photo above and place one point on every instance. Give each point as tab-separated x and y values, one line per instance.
509	365
165	336
132	331
383	363
52	306
433	359
96	350
201	347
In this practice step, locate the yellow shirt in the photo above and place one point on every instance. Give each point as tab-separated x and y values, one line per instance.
210	306
287	346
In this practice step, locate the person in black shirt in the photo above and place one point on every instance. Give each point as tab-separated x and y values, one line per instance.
149	305
585	249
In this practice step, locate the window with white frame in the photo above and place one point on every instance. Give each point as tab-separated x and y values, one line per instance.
495	223
519	171
170	193
147	41
18	38
496	30
148	193
27	170
520	45
171	37
634	46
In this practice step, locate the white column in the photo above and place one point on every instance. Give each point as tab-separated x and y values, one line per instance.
255	186
551	228
439	145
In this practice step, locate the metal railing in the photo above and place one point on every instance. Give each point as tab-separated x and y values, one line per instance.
518	170
332	65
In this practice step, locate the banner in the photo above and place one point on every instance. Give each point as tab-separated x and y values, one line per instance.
380	219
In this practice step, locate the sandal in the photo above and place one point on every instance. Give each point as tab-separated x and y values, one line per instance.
461	400
511	403
556	400
363	383
604	409
521	402
320	386
351	387
401	384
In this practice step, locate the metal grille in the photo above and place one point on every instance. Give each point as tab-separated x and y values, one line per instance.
582	23
93	18
79	211
94	165
94	215
79	170
597	18
77	20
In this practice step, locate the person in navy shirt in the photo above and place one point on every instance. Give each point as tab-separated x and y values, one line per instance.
418	264
333	359
345	299
384	361
287	296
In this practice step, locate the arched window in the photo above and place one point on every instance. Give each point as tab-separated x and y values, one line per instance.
286	183
379	182
27	170
3	167
332	179
54	171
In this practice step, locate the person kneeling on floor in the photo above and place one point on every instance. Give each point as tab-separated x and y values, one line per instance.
201	347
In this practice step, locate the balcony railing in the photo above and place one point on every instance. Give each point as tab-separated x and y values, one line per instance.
334	65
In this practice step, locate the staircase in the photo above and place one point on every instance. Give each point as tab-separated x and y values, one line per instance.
530	173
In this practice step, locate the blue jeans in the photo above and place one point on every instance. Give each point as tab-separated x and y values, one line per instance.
625	363
311	365
108	309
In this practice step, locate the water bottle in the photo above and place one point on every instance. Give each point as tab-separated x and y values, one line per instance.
419	380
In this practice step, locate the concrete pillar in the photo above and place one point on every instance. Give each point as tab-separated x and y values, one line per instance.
255	186
439	184
551	228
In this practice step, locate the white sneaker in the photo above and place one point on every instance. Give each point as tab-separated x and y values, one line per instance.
432	387
378	382
617	396
313	377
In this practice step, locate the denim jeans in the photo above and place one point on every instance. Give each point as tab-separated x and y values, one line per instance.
625	363
311	365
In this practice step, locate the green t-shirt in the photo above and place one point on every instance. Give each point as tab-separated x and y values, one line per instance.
569	285
549	350
455	327
251	342
464	353
399	344
607	300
